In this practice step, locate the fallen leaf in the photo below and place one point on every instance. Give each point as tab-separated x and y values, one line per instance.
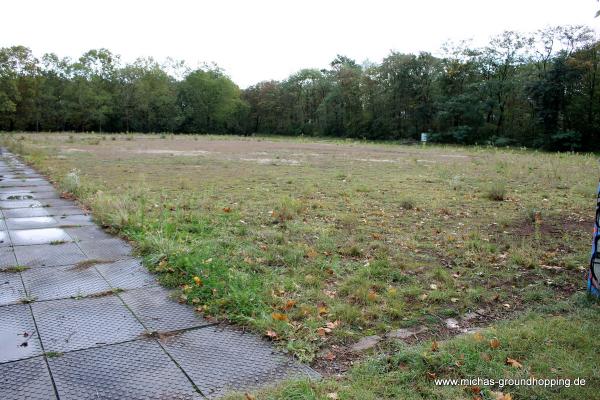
475	389
423	296
332	396
271	334
197	280
311	253
329	356
435	346
333	325
485	357
513	363
433	286
372	296
431	375
478	337
322	310
289	304
279	317
494	343
501	396
248	396
323	331
227	209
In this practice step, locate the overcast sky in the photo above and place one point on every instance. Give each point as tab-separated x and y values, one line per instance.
269	39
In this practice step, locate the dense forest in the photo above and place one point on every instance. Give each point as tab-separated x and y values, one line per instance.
537	90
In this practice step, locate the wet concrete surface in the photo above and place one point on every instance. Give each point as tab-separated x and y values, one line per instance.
81	318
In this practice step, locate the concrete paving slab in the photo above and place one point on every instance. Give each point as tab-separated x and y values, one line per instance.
4	238
219	361
136	370
74	220
158	312
75	324
57	203
26	237
105	249
63	282
31	223
18	336
26	379
26	212
7	258
8	204
48	255
17	196
87	233
126	274
11	288
45	195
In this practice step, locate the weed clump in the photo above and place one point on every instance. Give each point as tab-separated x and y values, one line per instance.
496	192
408	203
287	209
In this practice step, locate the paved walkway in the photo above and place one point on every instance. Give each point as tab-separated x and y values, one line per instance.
67	333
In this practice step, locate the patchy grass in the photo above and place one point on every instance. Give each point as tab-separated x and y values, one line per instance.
555	343
289	237
14	269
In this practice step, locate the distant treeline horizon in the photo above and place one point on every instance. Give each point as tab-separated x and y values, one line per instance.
539	89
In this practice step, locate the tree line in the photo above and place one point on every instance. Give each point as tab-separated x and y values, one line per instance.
538	89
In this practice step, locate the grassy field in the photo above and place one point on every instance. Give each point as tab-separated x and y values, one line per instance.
319	244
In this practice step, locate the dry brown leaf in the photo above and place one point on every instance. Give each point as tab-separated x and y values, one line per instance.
323	331
289	304
329	356
501	396
279	317
372	296
478	337
435	346
248	396
333	325
227	209
431	375
475	389
513	363
271	334
494	343
311	253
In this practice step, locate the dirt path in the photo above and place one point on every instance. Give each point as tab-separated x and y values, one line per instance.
81	318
